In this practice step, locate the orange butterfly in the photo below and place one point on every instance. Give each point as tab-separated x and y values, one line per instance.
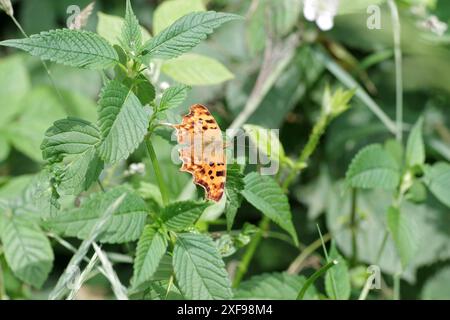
202	151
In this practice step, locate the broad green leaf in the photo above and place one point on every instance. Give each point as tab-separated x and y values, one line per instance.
404	234
142	88
273	286
122	120
196	70
110	27
40	109
373	167
199	269
150	250
126	224
27	250
266	142
14	85
436	286
415	148
131	30
173	97
73	141
337	279
266	196
179	216
437	179
234	186
184	34
170	11
4	147
396	150
82	49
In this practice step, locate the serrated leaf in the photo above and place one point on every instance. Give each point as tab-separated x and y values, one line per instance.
142	88
196	70
150	250
123	122
267	196
170	11
337	279
12	87
415	147
27	250
373	167
199	269
75	140
82	49
110	27
273	286
126	224
131	30
235	184
403	232
184	34
437	179
173	97
178	216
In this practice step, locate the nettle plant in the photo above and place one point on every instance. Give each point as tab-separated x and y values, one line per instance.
175	256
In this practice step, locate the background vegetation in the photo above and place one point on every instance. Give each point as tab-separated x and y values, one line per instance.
273	69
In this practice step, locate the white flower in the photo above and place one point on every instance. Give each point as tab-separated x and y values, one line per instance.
164	85
322	12
433	24
135	168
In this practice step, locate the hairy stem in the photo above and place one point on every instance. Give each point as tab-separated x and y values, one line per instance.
250	251
159	177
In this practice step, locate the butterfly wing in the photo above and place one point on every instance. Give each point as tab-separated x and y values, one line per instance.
202	151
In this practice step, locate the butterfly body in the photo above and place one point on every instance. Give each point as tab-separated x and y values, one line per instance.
202	152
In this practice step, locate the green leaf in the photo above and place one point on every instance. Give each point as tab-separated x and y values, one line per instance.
27	250
436	286
234	186
173	97
266	142
415	148
437	179
196	70
14	85
267	196
4	147
82	49
184	34
142	88
73	140
170	11
126	224
403	233
110	27
150	250
373	167
131	30
123	122
199	270
337	279
273	286
178	216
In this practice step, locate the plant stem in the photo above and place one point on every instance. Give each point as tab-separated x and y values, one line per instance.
354	227
366	289
250	251
159	178
397	286
2	284
296	265
314	277
398	68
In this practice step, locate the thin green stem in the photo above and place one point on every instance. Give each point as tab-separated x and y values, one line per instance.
296	265
354	227
2	283
156	168
314	277
398	68
366	289
397	286
250	251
